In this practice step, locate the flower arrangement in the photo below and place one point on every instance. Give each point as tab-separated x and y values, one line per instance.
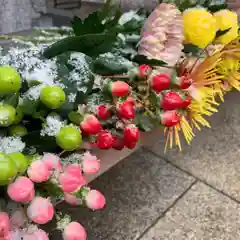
97	85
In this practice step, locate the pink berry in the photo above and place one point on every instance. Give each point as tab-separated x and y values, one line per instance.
41	235
40	210
38	171
71	199
4	224
103	112
21	190
51	161
74	231
119	89
90	164
144	71
71	179
95	200
90	124
104	140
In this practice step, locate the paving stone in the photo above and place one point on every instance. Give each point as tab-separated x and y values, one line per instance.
201	214
214	154
138	190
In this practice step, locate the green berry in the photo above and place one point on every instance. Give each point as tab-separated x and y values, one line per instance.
8	169
18	130
20	161
19	116
10	80
7	115
69	138
53	97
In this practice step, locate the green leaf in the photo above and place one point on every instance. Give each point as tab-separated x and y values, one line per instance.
144	123
141	59
193	49
222	32
11	99
91	24
75	117
111	64
90	44
104	11
217	7
28	106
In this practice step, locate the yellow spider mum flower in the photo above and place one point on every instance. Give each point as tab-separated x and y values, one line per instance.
199	27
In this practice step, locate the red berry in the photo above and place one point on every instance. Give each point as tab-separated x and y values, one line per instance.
126	110
131	145
120	89
131	133
171	101
131	100
90	124
160	82
103	112
144	71
185	82
118	143
170	118
186	102
104	140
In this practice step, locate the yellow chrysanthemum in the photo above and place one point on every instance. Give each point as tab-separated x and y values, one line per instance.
226	19
199	27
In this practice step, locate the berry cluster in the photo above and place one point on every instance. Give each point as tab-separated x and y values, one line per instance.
68	179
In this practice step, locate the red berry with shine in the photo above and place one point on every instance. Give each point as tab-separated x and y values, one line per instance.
170	118
185	82
131	133
104	140
118	143
144	71
160	82
171	101
103	112
186	102
120	89
90	124
126	110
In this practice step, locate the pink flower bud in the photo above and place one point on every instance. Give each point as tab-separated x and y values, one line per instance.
95	200
90	164
74	231
40	210
52	161
71	179
4	224
21	190
38	171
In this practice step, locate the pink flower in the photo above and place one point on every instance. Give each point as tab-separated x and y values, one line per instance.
38	171
40	210
4	224
74	231
21	190
52	161
90	164
71	179
95	200
162	35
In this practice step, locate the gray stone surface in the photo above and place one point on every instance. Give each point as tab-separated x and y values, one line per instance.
214	155
138	190
202	214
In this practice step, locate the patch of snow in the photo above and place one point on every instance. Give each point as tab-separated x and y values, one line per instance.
11	144
128	16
